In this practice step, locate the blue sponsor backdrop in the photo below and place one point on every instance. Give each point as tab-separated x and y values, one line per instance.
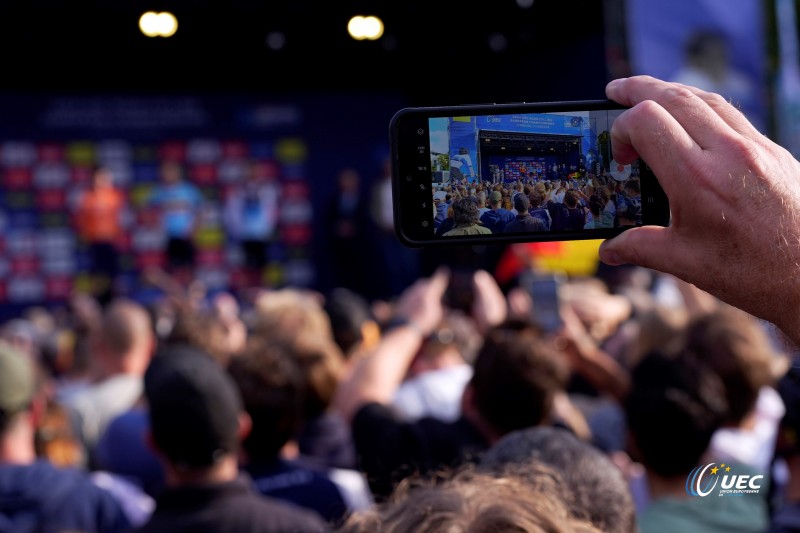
661	36
49	142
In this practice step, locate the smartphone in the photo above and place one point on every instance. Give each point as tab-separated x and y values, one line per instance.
497	155
545	292
460	293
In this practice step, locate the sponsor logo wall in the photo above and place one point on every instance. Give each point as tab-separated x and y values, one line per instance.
47	161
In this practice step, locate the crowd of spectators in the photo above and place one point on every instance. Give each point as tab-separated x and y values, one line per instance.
299	411
536	204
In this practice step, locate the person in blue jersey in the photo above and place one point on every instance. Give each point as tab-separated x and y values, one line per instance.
251	213
179	202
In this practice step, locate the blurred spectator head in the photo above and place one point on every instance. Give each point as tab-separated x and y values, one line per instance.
673	396
456	341
661	327
226	310
521	203
740	351
272	388
536	197
322	366
291	314
126	339
788	441
17	385
54	341
194	407
22	335
516	376
571	199
595	487
465	211
469	501
202	328
352	321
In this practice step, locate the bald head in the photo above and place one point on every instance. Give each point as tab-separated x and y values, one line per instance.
127	328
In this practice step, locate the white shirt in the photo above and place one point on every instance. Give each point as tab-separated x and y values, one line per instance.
435	393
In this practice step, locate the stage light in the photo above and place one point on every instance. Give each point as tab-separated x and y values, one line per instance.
154	24
365	28
525	4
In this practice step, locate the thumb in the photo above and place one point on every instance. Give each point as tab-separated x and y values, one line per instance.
646	246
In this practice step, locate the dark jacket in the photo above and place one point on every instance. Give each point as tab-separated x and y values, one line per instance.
229	507
525	223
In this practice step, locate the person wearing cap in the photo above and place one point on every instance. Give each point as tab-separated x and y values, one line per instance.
197	422
34	494
524	222
496	217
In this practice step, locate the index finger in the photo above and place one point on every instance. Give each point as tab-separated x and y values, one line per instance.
693	112
650	132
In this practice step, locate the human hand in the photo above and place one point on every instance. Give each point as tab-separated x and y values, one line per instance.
421	303
489	306
734	196
599	311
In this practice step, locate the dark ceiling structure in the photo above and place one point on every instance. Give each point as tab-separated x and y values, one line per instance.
442	51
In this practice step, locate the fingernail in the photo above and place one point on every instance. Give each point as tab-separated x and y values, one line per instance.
611	257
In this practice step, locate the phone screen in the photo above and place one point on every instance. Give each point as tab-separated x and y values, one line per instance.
516	172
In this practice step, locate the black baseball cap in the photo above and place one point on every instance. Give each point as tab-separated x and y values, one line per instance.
194	407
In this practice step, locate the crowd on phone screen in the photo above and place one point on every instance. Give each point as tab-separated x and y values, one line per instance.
292	410
535	204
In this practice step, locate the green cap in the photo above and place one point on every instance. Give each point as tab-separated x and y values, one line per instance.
16	380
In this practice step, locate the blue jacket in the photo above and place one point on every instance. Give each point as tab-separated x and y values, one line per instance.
496	219
42	498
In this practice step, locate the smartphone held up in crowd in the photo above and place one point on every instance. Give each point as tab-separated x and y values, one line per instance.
525	172
544	289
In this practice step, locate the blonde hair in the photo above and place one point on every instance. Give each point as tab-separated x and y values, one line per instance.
290	314
469	501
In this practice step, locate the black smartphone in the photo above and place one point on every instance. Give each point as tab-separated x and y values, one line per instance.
460	293
524	172
545	292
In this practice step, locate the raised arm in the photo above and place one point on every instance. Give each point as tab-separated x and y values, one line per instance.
378	375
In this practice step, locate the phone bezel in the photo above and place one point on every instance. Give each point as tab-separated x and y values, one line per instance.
412	179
